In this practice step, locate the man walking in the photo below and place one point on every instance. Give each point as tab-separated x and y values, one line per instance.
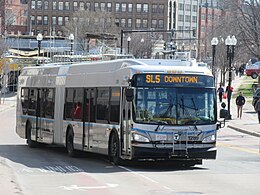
257	109
220	92
240	101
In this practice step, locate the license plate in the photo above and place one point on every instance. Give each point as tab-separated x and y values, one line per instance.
159	137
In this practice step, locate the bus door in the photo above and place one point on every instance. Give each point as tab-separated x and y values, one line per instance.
89	118
125	126
40	99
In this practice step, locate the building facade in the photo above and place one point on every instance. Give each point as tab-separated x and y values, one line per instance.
49	16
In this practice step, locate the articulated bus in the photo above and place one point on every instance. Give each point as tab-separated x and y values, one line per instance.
127	109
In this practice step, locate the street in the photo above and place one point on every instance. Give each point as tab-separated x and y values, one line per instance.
48	170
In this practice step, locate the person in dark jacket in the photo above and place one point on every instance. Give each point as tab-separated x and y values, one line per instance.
220	92
240	101
257	109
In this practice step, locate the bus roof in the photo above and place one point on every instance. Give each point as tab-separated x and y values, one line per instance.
135	65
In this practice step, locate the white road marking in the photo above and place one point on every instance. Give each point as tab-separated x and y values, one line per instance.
75	187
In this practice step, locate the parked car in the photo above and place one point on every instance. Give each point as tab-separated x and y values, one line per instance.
253	70
256	96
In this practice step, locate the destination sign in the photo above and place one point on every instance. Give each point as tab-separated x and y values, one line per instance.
172	80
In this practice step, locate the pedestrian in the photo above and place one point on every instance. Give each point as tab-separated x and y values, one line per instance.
240	101
257	109
241	71
229	92
220	92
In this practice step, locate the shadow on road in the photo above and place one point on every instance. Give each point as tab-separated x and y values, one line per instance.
55	159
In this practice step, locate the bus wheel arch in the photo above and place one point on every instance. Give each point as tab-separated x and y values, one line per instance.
70	141
113	150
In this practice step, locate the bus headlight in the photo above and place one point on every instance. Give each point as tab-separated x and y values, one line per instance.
211	138
139	138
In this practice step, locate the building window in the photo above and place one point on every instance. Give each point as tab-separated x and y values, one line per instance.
60	5
109	7
53	20
33	20
129	23
67	5
130	7
66	19
138	7
39	20
103	6
161	9
194	19
145	23
54	5
81	6
60	20
45	20
154	8
181	18
145	8
123	23
96	6
187	18
88	6
75	5
32	4
160	24
154	24
187	7
194	8
123	7
46	5
138	23
181	6
39	4
117	7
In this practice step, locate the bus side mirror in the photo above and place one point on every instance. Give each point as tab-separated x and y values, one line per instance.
129	94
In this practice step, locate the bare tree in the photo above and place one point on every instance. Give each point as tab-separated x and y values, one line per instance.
97	23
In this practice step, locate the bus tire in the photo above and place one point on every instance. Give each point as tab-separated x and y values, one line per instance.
70	143
30	142
114	149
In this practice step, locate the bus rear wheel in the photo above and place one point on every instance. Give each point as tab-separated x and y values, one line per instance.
114	149
70	143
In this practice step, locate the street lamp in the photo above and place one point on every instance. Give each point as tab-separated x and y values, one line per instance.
128	44
71	38
142	42
230	42
214	43
39	39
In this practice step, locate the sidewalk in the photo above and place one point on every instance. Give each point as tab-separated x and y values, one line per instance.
249	122
8	101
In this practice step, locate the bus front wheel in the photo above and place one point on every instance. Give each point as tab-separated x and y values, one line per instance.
70	143
30	142
114	149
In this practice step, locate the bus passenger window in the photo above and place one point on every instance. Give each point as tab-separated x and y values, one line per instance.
69	109
32	102
115	105
49	113
103	104
78	99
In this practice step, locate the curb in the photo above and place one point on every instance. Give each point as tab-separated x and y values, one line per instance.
244	131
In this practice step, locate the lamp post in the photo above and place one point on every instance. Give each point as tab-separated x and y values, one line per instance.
142	42
39	39
214	43
128	44
71	38
230	42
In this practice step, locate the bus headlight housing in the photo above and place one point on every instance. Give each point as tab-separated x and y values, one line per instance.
209	139
139	138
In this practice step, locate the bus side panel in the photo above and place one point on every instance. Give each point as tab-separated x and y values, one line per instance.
59	133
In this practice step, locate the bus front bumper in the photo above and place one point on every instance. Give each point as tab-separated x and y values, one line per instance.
167	153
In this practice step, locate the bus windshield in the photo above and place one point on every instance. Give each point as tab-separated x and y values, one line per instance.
174	106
